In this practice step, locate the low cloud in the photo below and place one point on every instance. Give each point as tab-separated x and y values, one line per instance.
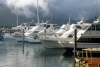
59	8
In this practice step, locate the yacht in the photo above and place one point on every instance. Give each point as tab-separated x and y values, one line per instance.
32	34
88	37
52	41
17	31
55	40
33	37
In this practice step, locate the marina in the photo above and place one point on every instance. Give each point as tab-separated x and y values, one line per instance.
53	34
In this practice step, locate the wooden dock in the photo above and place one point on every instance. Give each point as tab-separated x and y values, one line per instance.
94	62
88	61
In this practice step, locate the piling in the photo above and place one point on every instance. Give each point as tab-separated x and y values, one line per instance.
75	44
1	36
23	36
23	39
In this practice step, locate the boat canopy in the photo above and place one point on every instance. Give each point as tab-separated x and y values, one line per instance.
92	49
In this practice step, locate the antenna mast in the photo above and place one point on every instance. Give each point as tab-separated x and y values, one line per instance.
69	19
51	16
37	13
17	17
83	15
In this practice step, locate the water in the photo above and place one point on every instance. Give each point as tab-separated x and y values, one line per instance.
13	54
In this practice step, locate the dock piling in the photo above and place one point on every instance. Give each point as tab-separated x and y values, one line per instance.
75	44
23	39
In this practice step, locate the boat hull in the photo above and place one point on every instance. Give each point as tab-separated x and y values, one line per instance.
81	45
50	43
33	40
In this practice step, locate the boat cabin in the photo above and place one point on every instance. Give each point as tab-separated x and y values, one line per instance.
92	34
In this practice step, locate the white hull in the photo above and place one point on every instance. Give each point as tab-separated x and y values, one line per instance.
52	42
82	45
20	39
28	39
32	40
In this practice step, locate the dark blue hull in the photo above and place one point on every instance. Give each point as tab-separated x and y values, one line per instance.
35	42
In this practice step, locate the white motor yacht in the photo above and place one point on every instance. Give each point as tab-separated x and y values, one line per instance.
32	34
53	41
17	31
89	37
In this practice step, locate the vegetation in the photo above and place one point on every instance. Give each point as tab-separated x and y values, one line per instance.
5	26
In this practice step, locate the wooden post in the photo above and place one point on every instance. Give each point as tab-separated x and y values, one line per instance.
75	44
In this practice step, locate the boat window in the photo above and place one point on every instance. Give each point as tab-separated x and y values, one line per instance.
32	25
78	27
89	28
47	26
70	36
79	40
93	27
35	31
89	40
97	27
84	39
41	25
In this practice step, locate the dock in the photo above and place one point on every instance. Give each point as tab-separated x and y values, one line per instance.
88	60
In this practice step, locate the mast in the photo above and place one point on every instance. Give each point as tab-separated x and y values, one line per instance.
51	16
17	17
69	19
37	13
83	15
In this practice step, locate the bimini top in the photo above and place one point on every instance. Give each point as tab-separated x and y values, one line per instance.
92	49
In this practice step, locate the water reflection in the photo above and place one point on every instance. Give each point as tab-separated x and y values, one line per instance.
52	52
12	54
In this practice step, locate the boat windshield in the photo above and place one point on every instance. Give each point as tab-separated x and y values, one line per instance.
46	25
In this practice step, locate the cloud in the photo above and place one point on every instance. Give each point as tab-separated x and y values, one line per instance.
59	8
27	7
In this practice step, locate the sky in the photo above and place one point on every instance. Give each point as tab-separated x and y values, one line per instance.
57	8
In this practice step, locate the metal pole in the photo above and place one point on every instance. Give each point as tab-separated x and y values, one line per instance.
75	44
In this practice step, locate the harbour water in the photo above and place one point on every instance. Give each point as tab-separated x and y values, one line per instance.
14	54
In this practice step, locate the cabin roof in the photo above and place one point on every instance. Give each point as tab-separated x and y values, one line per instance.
92	49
